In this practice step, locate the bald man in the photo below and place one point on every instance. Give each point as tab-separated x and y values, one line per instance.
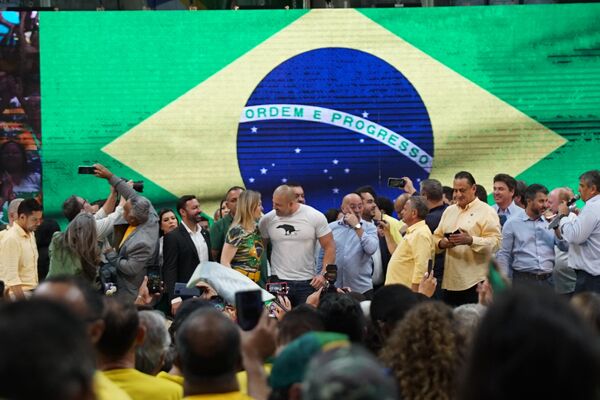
293	229
355	242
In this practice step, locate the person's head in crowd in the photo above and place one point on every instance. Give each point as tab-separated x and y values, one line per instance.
13	210
29	215
208	352
221	211
352	204
368	196
504	190
464	188
425	352
389	305
46	353
231	198
249	209
137	210
122	334
589	184
284	201
433	192
348	373
74	205
520	193
333	214
587	304
167	221
557	196
400	202
150	356
297	322
415	209
203	222
13	159
385	204
298	191
481	193
468	317
188	208
290	366
342	313
97	205
536	200
448	195
532	344
80	297
81	240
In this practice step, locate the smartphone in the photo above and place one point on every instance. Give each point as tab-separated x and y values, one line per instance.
396	183
429	267
249	308
278	288
181	290
154	279
86	170
447	234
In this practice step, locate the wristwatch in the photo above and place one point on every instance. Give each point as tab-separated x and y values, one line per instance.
357	226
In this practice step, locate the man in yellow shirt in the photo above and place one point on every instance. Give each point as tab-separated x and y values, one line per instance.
18	251
470	232
410	259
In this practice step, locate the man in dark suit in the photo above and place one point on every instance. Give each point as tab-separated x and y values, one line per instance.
185	247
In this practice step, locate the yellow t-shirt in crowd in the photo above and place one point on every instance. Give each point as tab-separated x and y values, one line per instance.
140	386
219	396
170	377
242	377
106	390
409	262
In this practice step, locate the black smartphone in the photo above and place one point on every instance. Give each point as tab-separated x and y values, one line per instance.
154	279
447	234
181	290
278	288
86	170
396	183
429	267
249	308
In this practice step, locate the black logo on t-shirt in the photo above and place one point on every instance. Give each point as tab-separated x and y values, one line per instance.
289	229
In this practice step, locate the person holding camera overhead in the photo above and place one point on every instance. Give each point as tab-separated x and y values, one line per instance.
136	246
244	247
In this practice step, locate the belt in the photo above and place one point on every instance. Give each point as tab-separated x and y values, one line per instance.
537	277
255	276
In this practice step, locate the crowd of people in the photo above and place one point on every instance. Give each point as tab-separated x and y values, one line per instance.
454	299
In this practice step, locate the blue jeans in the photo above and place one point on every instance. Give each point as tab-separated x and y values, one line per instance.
586	282
298	290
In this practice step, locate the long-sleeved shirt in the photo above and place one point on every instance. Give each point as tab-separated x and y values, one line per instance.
464	265
528	246
353	255
583	235
409	261
18	258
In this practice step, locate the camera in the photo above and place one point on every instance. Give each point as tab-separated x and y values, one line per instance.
154	280
331	277
396	182
138	186
107	276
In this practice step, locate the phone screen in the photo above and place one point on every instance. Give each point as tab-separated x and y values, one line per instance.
249	308
429	267
85	170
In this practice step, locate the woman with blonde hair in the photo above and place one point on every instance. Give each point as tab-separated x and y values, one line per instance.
76	251
243	246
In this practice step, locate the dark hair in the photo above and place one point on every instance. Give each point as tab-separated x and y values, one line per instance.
94	303
121	327
46	353
391	302
385	204
419	203
99	203
532	191
531	335
208	344
186	309
520	189
182	200
24	164
299	321
591	178
480	192
71	207
432	189
587	304
465	175
162	212
366	189
510	182
28	207
448	192
231	189
342	313
332	214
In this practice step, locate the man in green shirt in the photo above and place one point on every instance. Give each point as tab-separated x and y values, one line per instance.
218	231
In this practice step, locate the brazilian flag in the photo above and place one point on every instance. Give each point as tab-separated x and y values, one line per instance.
196	102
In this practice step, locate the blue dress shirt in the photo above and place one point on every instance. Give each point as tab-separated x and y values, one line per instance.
583	235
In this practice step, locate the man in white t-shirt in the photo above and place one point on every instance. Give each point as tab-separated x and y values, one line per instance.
293	230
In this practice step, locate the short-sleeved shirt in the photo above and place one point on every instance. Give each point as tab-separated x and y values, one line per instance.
140	386
218	232
249	248
293	239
